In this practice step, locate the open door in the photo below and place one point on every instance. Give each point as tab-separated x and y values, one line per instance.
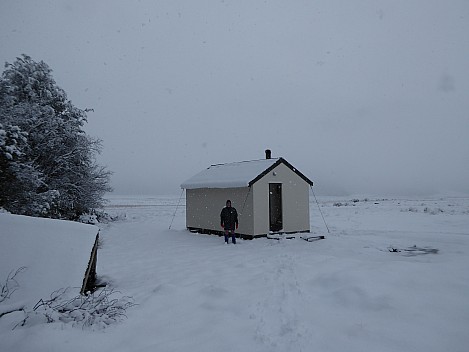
275	207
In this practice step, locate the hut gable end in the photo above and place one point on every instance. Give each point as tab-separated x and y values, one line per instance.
278	162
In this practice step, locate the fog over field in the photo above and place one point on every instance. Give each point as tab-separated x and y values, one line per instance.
363	97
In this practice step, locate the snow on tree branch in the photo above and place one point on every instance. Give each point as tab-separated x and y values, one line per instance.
47	162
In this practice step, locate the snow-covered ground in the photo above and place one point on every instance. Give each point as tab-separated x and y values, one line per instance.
348	292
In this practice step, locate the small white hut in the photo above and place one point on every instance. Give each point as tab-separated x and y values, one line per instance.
270	195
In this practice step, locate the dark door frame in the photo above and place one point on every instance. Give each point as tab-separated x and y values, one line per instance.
275	207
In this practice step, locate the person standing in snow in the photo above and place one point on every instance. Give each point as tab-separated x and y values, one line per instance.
229	221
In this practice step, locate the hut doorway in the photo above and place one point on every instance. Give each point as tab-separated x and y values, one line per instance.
275	207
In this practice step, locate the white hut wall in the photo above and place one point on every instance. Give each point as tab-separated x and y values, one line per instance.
295	201
203	207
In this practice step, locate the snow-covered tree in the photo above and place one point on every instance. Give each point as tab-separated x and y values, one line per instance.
45	153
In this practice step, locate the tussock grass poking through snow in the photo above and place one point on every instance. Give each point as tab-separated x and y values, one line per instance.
95	310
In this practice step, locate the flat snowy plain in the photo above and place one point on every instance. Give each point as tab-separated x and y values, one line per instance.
348	292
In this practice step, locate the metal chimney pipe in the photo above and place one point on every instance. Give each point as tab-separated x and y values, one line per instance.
268	154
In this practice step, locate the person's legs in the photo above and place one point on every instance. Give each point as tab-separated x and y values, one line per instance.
228	234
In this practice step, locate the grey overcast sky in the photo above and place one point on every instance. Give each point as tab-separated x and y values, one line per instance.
363	96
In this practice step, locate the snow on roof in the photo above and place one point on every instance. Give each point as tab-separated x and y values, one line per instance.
55	254
232	175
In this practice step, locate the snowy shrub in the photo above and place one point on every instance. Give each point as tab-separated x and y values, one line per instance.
95	217
433	211
339	204
411	209
88	219
96	310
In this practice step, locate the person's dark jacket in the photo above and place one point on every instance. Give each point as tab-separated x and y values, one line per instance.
229	218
